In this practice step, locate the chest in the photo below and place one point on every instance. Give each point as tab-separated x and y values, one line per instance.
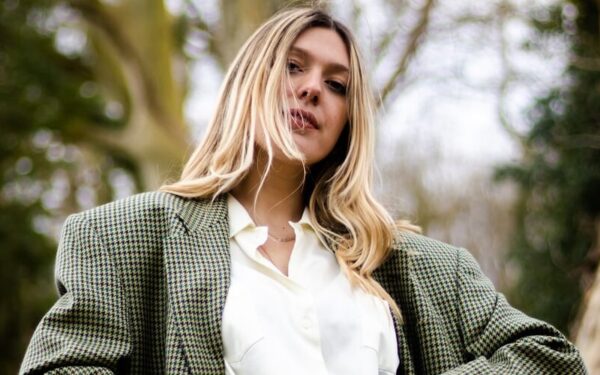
313	319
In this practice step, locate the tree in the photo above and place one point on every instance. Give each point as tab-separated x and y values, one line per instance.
109	116
40	107
559	176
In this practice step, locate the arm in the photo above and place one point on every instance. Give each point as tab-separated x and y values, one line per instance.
86	331
501	339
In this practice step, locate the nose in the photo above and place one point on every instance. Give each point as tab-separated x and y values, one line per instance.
309	88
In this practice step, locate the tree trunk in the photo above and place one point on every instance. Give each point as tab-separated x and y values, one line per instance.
588	332
135	60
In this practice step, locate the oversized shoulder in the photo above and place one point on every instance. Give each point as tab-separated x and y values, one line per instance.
151	214
432	265
430	278
426	253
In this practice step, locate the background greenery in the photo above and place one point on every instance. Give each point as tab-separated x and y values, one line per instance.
559	178
92	109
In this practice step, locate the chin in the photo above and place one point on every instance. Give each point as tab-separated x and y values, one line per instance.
312	157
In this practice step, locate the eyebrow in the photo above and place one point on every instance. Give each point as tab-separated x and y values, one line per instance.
336	67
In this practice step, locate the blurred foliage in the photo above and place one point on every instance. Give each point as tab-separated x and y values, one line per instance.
42	110
559	177
91	109
61	140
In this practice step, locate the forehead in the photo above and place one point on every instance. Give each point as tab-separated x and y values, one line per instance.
322	44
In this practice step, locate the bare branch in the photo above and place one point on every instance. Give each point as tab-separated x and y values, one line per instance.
508	75
384	44
196	16
200	23
414	40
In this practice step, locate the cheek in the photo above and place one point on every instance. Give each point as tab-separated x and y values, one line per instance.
289	92
289	89
335	137
340	116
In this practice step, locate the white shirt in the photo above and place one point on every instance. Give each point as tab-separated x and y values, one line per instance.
309	322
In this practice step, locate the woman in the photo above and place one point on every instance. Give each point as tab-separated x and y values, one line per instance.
270	254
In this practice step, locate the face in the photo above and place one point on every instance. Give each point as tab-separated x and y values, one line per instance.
318	66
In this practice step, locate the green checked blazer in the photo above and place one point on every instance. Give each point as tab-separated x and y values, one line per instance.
142	284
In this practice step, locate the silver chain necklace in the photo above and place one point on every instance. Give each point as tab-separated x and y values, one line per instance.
281	239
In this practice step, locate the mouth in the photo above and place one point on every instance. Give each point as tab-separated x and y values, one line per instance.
303	120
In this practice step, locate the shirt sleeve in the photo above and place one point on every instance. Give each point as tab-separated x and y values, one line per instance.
86	331
501	339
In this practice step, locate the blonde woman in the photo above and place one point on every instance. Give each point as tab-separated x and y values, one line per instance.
270	254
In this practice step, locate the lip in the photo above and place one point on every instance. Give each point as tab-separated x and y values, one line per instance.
302	119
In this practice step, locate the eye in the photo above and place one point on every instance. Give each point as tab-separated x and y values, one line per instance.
337	87
293	67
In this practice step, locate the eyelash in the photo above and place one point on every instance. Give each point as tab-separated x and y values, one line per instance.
293	67
335	86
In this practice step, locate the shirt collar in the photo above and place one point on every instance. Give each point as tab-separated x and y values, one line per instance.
306	224
305	221
239	219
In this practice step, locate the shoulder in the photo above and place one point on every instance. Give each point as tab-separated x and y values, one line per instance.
412	243
428	261
138	217
427	253
149	205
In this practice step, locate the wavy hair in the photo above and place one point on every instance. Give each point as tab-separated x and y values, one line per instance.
337	190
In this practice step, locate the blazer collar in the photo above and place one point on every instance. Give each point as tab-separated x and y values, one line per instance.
396	277
198	266
197	214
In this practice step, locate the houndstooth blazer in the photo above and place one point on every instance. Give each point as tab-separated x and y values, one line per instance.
142	284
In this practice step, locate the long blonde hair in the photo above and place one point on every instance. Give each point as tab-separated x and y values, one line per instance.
336	190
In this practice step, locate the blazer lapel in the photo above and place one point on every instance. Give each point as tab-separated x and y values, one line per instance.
198	267
397	277
198	263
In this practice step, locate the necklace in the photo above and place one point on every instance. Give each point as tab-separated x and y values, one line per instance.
281	239
275	238
262	250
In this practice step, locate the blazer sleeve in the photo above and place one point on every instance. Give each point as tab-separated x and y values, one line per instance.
86	331
501	339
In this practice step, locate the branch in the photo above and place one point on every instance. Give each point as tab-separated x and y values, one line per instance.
386	41
384	44
200	23
196	16
411	48
97	15
508	76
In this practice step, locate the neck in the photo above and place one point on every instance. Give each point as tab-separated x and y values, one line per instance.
279	199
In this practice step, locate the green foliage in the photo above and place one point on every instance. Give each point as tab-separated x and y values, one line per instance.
25	273
42	110
559	178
